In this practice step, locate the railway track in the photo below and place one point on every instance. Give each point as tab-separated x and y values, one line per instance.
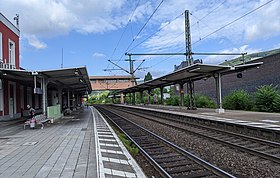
169	159
264	149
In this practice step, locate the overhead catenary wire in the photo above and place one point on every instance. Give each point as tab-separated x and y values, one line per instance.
182	32
128	22
155	32
141	29
144	26
228	24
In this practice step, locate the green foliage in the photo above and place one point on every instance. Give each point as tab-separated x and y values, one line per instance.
202	101
173	101
267	98
99	98
186	100
237	100
276	103
250	57
148	77
133	150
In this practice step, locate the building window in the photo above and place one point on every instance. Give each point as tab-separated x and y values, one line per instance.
12	53
1	46
93	81
101	81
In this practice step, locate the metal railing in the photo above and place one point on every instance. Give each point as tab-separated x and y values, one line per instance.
7	66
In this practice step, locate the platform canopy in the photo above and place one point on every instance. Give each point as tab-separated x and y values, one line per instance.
190	73
74	79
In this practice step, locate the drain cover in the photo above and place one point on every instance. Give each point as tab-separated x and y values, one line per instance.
29	143
84	129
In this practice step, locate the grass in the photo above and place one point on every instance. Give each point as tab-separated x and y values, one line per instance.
133	150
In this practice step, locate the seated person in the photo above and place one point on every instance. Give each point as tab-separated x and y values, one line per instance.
31	111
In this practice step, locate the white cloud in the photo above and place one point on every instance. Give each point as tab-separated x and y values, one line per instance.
261	24
49	18
35	42
265	23
276	46
98	55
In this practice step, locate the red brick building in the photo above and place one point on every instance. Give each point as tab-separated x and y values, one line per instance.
99	83
39	89
9	59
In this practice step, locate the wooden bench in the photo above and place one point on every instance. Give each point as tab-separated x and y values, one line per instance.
39	119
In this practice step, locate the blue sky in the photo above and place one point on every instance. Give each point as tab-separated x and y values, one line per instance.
93	31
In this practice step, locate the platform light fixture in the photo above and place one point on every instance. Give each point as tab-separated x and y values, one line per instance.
77	72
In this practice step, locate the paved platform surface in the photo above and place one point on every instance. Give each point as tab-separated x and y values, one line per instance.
114	160
255	119
67	148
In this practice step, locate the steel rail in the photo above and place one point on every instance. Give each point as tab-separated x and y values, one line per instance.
243	148
191	156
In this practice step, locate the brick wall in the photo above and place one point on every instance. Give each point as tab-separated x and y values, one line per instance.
266	74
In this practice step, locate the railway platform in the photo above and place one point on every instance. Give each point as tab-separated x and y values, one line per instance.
80	146
248	118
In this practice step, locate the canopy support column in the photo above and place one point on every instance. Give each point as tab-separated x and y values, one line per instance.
181	90
190	85
149	96
219	93
122	98
133	98
45	95
161	95
68	99
142	97
60	98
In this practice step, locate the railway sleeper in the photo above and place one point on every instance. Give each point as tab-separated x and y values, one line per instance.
152	152
273	151
171	155
194	174
157	147
169	160
177	164
183	169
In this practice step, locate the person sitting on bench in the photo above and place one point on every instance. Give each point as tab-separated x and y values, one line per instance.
31	111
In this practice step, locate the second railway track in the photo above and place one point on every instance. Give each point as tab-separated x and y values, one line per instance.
267	150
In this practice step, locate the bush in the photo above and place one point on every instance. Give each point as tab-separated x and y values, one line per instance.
173	101
238	100
186	100
202	101
276	103
267	98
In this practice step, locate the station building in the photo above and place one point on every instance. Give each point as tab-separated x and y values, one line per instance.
99	83
47	91
9	59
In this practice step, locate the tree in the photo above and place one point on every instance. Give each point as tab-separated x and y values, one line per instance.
148	77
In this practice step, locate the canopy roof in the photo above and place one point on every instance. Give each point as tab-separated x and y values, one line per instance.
190	73
74	79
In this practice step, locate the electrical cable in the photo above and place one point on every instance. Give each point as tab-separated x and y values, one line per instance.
155	32
144	25
233	21
141	29
124	31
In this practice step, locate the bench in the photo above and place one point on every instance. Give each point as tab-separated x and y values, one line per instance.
39	119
